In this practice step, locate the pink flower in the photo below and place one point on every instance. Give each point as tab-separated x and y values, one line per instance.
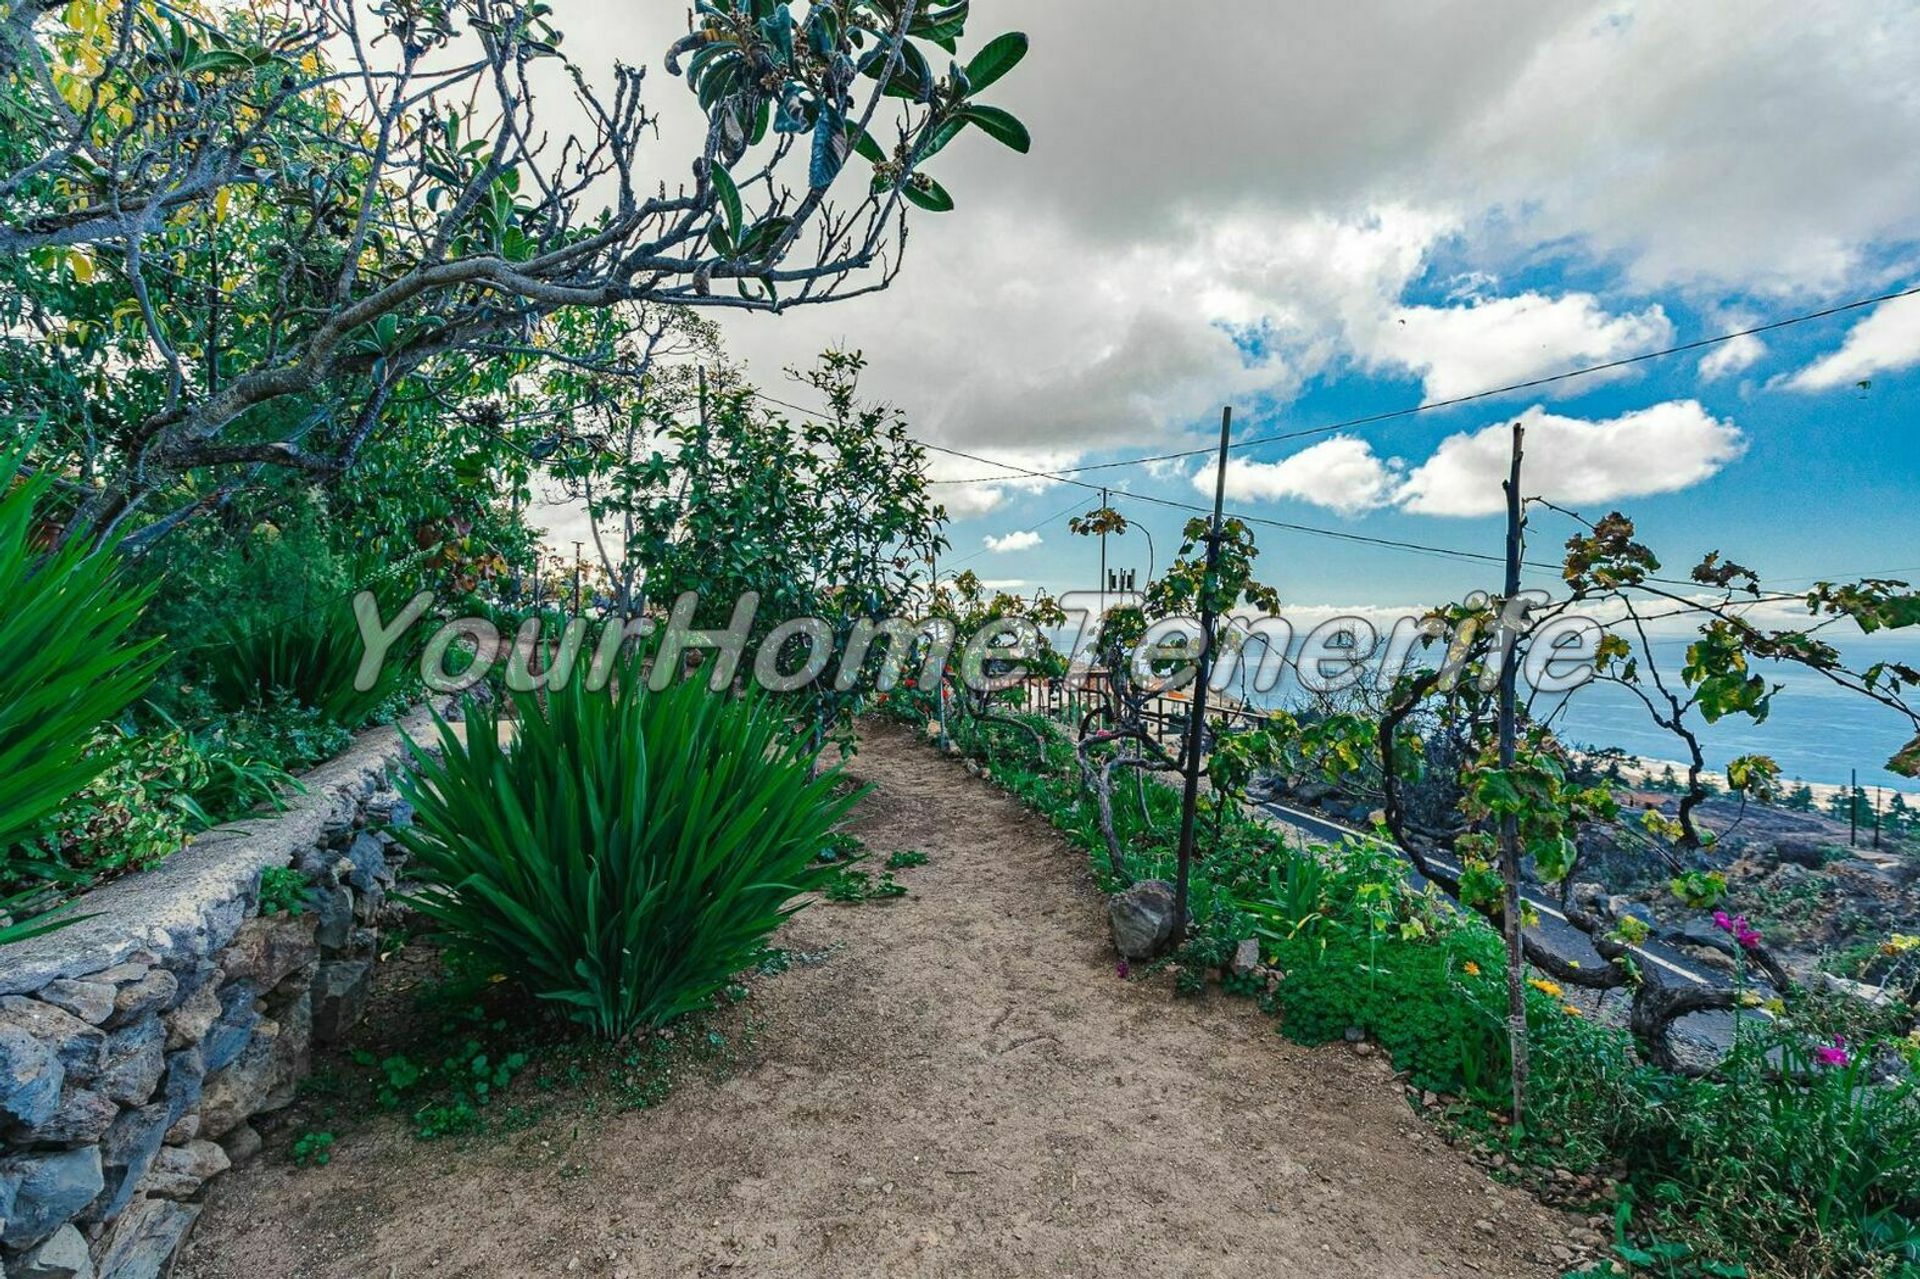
1836	1055
1737	925
1121	970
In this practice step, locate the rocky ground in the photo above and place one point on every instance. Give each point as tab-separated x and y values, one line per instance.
965	1086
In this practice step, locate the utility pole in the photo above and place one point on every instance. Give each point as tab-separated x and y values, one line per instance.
1853	808
1196	726
1104	503
1879	802
1510	920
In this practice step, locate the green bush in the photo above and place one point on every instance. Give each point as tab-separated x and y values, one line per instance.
311	659
73	664
629	854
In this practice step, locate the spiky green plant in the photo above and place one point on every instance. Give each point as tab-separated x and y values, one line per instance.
312	658
66	621
629	852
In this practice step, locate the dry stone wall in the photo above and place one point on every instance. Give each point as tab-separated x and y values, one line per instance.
137	1042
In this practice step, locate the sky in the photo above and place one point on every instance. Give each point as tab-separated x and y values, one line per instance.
1319	213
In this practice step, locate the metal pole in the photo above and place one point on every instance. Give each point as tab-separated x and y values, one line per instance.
1853	808
1510	823
577	563
1196	725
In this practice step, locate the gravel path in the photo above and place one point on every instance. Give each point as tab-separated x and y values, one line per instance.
965	1087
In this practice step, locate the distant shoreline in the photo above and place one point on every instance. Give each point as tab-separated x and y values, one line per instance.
1639	770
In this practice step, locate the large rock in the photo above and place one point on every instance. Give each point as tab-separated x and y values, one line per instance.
237	1093
142	1242
136	1058
90	1001
340	992
127	1153
82	1118
81	1048
152	993
231	1031
369	858
190	1022
62	1256
50	1190
178	1172
186	1078
334	907
268	948
30	1077
1142	918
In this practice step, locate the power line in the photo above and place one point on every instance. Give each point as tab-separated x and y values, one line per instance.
1697	344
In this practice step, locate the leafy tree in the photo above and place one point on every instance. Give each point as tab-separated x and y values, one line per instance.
259	236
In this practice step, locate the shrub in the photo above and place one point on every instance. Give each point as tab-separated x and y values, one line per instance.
311	659
629	854
66	624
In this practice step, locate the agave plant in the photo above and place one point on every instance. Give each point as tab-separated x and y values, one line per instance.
628	853
72	664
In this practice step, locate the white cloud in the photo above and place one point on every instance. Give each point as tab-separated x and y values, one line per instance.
1342	474
1732	356
1022	540
1887	340
1492	342
1660	449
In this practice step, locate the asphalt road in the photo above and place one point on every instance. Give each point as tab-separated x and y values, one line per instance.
1710	1030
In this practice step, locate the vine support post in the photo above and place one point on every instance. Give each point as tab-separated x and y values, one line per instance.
1203	671
1511	923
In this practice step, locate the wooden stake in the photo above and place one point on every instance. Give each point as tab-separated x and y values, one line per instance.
1510	823
1203	671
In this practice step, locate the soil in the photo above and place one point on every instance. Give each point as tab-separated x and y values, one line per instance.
965	1086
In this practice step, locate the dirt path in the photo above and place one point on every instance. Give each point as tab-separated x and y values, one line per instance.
966	1088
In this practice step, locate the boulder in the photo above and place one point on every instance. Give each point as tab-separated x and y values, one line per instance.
369	864
127	1153
340	990
190	1022
82	1118
90	1001
179	1171
142	1242
50	1190
81	1048
186	1079
30	1077
268	948
63	1255
334	906
239	1014
151	994
136	1058
1246	958
1142	918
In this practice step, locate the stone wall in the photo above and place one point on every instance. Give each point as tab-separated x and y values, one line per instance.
137	1042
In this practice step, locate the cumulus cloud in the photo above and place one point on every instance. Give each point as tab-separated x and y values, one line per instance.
1341	474
1022	540
1733	356
1885	341
1493	342
1660	449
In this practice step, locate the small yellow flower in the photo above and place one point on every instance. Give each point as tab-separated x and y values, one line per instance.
1470	968
1571	1011
1900	944
1548	988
